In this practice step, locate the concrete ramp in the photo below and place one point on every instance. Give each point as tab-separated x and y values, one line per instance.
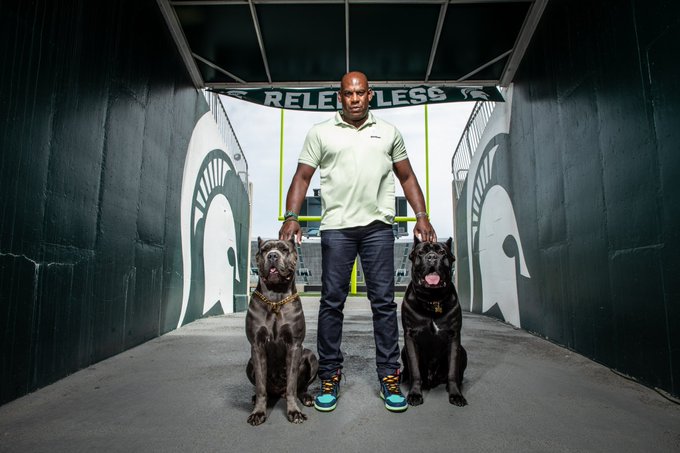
187	391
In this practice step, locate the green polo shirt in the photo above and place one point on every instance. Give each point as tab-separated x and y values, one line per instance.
357	180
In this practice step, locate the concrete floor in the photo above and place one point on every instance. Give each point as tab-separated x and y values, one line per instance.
187	391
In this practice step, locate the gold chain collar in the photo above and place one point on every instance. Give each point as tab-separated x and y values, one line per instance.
275	306
435	305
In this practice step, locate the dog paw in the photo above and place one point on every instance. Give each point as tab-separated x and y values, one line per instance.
257	418
414	399
307	400
296	417
457	400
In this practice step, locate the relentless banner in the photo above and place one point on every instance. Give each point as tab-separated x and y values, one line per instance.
326	99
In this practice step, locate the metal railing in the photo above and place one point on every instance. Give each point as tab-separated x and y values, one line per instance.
234	149
472	134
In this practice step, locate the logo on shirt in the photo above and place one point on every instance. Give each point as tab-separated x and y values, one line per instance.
375	136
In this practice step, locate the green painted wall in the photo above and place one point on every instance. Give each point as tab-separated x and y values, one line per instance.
96	114
592	167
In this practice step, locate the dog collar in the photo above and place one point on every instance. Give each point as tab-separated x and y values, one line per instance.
275	306
435	306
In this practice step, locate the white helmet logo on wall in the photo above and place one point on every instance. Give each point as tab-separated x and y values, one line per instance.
209	250
492	231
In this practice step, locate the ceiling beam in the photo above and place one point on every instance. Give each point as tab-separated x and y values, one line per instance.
437	34
522	42
297	2
485	65
346	36
334	84
260	41
218	68
181	41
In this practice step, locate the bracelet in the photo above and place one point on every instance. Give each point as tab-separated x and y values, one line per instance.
421	214
288	219
290	214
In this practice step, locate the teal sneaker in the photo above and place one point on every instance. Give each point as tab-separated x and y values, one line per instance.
391	393
327	399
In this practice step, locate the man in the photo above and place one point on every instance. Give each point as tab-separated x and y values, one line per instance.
356	154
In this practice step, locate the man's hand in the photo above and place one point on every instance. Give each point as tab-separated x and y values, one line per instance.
289	229
296	195
424	230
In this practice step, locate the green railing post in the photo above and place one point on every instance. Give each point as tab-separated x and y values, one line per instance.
281	169
427	163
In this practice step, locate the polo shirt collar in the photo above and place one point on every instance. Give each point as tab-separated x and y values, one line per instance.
341	122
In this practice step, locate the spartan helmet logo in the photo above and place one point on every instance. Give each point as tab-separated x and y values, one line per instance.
472	93
239	94
209	242
495	247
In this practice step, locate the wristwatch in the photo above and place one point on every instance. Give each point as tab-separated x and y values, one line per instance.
289	214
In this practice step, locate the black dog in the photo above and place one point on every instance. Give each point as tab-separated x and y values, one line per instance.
275	327
431	317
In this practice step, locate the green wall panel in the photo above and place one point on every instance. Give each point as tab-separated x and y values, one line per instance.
593	172
96	114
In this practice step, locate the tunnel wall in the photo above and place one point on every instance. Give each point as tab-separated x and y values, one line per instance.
98	119
569	224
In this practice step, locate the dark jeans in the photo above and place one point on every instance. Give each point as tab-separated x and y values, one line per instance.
375	245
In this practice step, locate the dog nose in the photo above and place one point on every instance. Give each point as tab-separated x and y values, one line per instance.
273	256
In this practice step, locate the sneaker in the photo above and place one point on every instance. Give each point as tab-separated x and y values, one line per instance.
326	400
391	393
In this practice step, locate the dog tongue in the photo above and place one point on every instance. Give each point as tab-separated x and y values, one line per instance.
273	270
432	279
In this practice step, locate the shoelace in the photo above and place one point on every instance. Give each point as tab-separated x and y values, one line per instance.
328	385
392	383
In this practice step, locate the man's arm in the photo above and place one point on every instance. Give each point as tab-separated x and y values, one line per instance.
423	229
296	195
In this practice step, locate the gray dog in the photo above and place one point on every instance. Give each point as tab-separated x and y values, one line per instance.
275	327
431	317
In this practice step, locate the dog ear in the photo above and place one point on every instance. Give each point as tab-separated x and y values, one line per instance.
416	241
259	243
292	241
449	247
412	253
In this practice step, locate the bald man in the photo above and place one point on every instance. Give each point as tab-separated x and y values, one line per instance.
357	155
